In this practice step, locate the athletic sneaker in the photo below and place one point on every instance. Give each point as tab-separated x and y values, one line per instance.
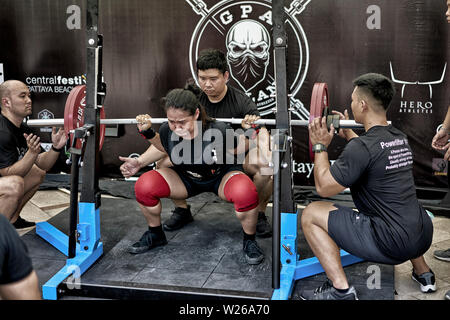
442	254
180	217
447	295
252	252
426	280
22	223
263	228
148	241
327	292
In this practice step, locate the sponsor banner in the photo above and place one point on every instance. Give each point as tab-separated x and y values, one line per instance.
54	84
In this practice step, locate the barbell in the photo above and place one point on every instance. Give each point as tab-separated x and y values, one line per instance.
346	124
76	102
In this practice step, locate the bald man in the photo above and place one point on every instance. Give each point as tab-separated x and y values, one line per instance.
21	154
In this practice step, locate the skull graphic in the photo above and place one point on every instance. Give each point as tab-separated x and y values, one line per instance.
248	44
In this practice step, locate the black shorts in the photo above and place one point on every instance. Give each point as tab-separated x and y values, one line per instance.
352	232
195	187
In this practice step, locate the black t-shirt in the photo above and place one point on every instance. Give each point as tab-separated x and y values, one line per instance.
203	157
15	264
235	104
377	167
13	144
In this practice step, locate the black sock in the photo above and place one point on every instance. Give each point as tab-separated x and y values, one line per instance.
341	290
156	230
249	236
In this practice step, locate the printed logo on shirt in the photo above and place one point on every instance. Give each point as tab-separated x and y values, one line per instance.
21	152
194	174
399	154
242	29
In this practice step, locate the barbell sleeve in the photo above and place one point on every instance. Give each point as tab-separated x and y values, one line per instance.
45	122
345	124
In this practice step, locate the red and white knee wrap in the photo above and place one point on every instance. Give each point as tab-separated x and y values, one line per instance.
150	187
240	190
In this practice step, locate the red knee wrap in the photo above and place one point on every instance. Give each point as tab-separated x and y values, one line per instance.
240	190
151	187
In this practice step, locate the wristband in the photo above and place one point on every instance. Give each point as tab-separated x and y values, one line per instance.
148	134
256	128
57	150
319	147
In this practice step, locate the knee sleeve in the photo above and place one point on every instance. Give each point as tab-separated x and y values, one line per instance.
240	190
150	187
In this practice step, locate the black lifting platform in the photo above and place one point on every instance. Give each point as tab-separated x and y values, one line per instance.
203	260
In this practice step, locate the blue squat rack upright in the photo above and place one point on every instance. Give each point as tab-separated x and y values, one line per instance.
82	246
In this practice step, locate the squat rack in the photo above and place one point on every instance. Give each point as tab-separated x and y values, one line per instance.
83	245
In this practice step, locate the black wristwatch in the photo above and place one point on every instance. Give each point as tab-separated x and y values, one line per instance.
57	150
319	147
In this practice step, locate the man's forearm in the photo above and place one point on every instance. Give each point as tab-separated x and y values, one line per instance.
321	168
21	167
326	185
46	160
